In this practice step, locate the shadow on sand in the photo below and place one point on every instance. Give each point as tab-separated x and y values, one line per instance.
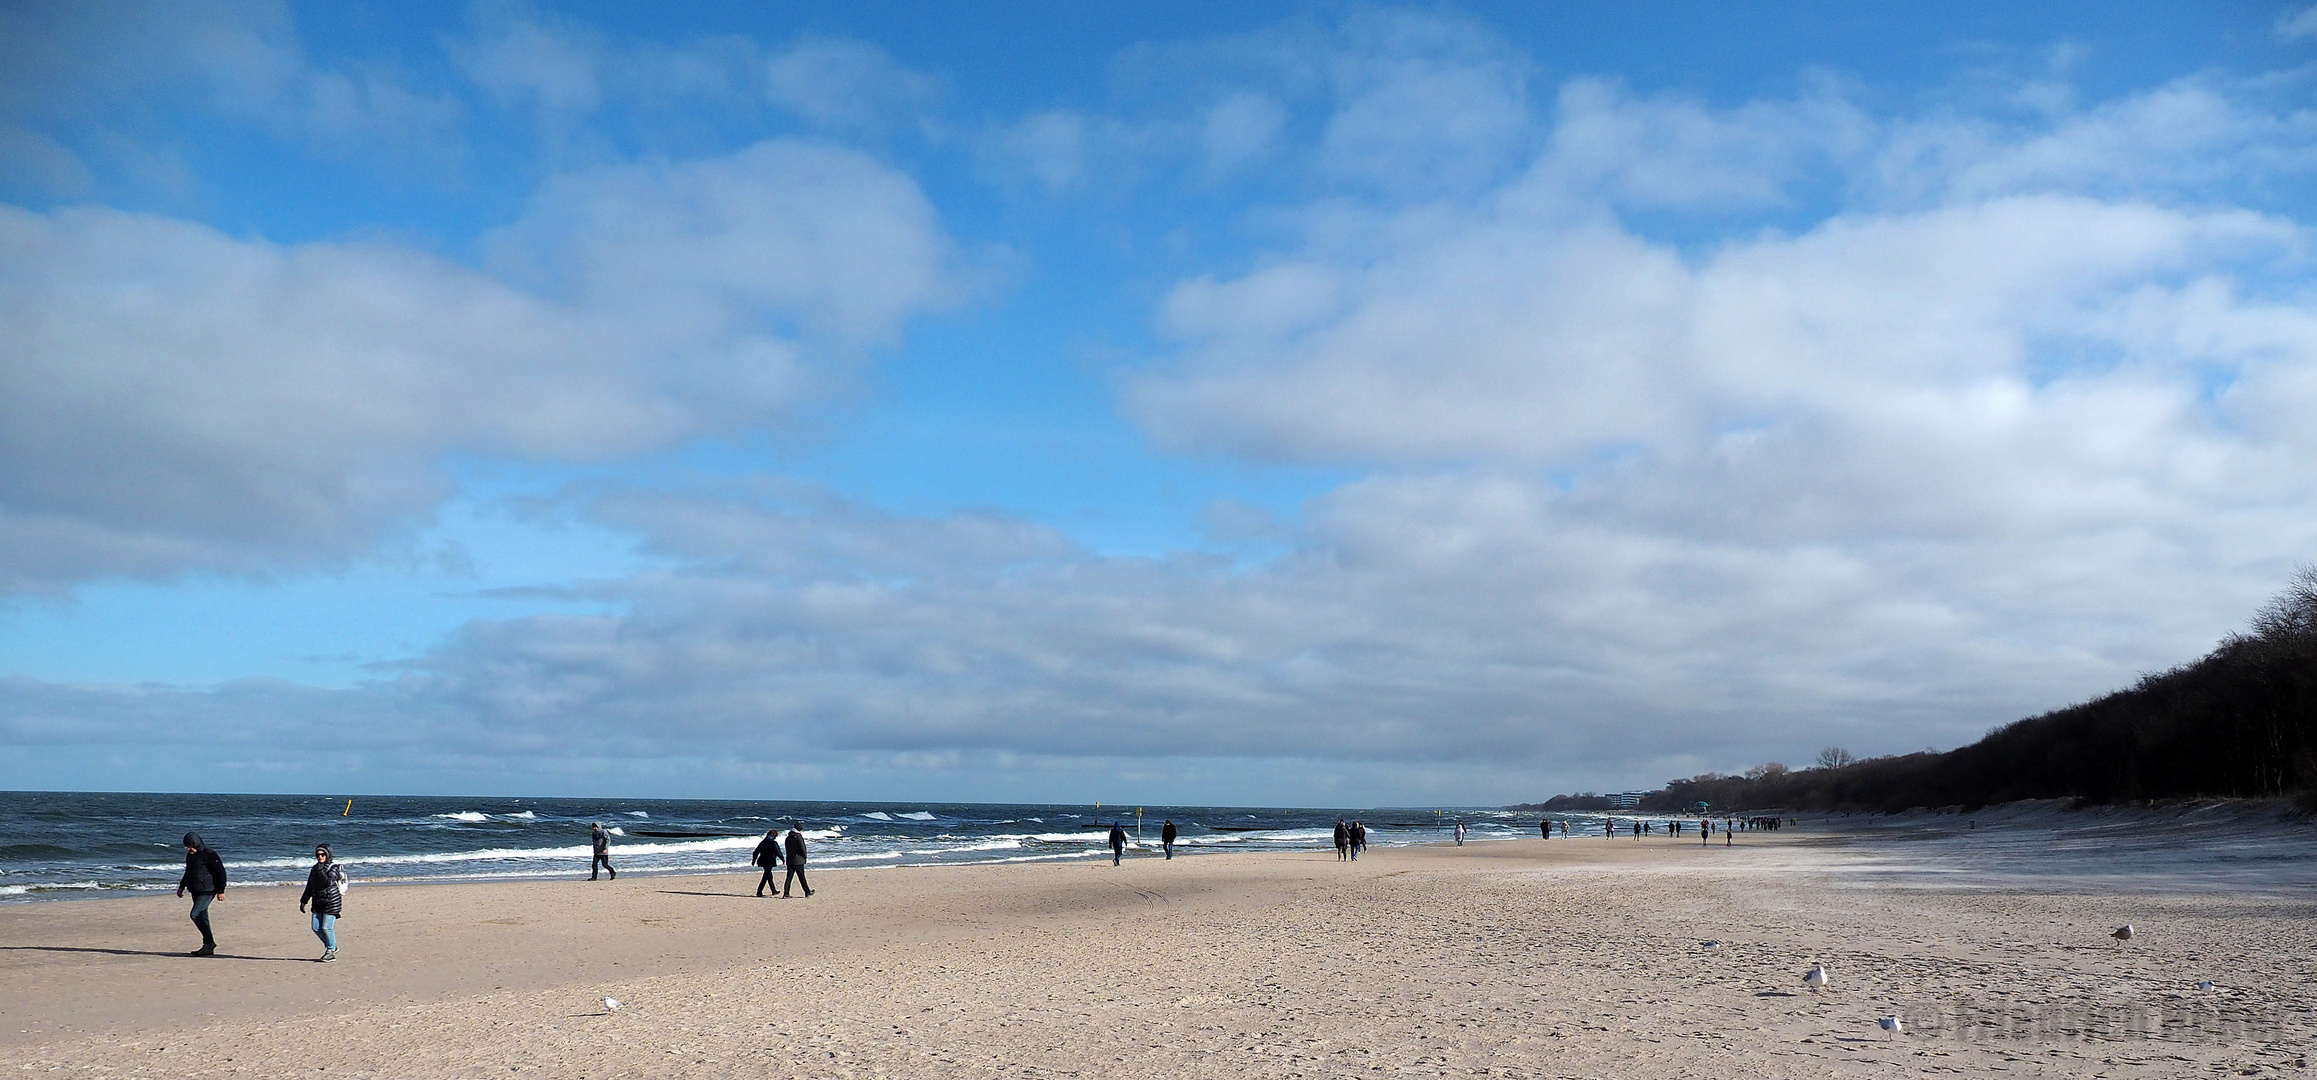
143	952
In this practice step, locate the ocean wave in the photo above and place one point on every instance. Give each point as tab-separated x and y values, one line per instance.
465	815
992	844
524	815
878	815
918	815
636	813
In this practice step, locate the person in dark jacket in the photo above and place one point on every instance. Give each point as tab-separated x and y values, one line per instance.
602	843
1117	843
205	879
1359	840
795	845
767	856
1167	836
1343	840
326	890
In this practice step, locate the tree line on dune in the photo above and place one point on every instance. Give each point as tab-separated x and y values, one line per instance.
2240	723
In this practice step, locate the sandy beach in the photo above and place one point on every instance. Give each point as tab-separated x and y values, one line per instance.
1567	958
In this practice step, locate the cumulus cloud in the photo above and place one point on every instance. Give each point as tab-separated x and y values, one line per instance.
1908	426
176	399
84	90
844	83
571	75
1489	626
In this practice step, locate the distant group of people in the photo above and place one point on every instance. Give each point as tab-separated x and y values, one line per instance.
326	882
1168	834
325	894
774	851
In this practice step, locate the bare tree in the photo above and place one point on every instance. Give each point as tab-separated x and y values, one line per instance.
1767	770
2291	614
1835	757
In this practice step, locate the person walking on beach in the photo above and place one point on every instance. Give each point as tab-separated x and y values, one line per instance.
1167	836
1359	840
1117	843
767	856
795	845
326	890
1343	840
1460	834
601	841
1545	827
205	879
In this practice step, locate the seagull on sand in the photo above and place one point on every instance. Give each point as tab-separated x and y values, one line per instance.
2206	985
1815	978
2123	933
610	1004
1892	1025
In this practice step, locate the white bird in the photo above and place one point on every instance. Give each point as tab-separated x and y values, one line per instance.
1815	977
1892	1025
1709	944
2206	985
2123	933
611	1003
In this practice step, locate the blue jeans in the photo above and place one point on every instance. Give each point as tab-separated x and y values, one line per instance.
201	902
326	928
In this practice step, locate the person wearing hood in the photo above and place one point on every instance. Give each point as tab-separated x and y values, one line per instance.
1117	842
795	852
1167	838
205	879
326	890
767	856
601	841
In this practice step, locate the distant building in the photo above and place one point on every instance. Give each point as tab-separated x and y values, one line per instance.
1627	800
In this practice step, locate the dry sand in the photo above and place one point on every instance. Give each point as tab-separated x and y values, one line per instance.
1567	958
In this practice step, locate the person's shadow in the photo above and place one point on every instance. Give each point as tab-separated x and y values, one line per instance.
138	952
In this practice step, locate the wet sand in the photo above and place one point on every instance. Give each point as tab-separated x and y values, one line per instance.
1567	958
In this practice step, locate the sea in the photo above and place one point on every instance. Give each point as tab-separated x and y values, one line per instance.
61	845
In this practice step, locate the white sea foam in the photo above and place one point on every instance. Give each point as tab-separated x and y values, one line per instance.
878	815
637	813
524	815
919	815
465	815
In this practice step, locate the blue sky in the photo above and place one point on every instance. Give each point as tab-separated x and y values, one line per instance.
1334	404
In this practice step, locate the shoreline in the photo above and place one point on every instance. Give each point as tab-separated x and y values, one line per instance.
1529	957
2280	823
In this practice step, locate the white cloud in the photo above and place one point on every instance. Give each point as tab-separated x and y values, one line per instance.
2294	25
1653	152
1239	131
1909	427
174	399
554	66
1485	624
82	90
843	83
